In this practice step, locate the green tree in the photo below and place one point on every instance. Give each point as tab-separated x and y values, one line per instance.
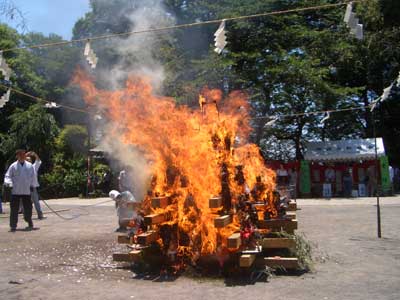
68	175
32	129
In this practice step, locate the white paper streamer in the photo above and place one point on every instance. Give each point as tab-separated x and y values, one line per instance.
271	122
326	118
4	68
349	10
91	57
220	38
5	98
51	105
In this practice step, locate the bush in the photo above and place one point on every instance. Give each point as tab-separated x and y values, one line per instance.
67	179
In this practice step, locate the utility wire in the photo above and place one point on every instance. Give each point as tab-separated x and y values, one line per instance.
160	29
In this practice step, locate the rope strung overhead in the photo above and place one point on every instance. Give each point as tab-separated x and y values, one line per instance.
220	43
153	30
48	103
274	118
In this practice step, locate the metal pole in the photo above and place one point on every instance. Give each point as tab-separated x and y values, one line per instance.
89	162
378	208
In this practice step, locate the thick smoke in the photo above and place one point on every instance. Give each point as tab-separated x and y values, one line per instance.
138	52
137	56
128	158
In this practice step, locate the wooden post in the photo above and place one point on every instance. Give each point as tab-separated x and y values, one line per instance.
222	221
234	241
291	215
215	202
246	260
278	243
292	206
124	239
289	263
147	238
160	202
133	256
154	219
278	225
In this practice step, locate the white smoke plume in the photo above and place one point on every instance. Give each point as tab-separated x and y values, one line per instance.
138	56
138	52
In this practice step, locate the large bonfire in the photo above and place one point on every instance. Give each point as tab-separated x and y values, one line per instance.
195	155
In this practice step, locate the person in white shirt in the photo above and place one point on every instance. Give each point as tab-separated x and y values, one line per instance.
35	194
127	206
20	176
124	180
282	176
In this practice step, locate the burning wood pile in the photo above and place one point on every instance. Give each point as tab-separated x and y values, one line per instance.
253	244
209	193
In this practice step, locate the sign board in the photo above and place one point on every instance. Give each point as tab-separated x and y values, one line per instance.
305	180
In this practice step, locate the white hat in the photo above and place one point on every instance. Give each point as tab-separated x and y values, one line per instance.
114	194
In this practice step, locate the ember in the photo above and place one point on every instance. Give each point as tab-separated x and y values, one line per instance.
210	193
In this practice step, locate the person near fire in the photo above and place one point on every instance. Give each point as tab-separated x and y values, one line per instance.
127	207
124	180
20	176
282	176
35	195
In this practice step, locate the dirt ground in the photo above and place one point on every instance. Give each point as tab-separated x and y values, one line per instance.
72	259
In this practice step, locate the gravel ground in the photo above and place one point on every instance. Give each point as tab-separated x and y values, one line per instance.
72	259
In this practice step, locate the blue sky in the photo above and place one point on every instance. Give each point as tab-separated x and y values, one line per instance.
52	16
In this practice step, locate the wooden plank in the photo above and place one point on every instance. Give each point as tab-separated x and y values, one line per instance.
124	239
278	243
121	257
147	238
246	260
215	202
222	221
291	215
132	256
160	202
289	263
135	255
292	206
234	241
256	250
278	225
154	219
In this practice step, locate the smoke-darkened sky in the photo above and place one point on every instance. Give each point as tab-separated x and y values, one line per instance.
52	16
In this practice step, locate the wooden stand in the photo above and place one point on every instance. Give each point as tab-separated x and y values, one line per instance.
278	225
221	222
154	219
133	256
147	238
246	260
278	243
288	263
234	241
215	202
160	202
124	239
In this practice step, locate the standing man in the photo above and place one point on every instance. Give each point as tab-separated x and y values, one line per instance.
125	180
35	195
20	176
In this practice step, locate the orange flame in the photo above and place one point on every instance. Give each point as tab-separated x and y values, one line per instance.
188	149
